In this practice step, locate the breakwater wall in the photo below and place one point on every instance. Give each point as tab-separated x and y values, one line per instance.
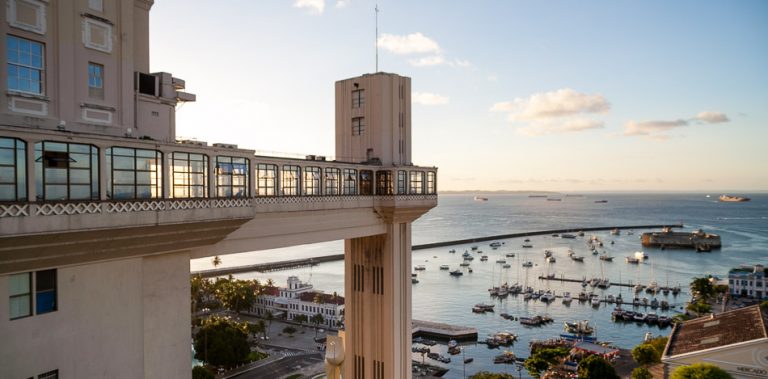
294	263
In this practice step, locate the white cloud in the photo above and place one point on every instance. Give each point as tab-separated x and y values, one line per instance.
432	60
559	103
712	117
461	63
426	98
651	128
342	3
314	6
542	127
409	44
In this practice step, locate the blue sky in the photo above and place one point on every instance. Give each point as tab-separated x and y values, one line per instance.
508	95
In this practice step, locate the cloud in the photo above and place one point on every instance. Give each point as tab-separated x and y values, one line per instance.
314	6
415	43
426	98
559	103
432	60
342	3
645	128
712	117
461	63
569	125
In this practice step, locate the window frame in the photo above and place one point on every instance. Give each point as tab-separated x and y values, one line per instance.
29	294
384	182
267	185
155	185
183	177
17	64
358	126
431	187
96	80
45	156
416	183
236	174
349	181
38	291
366	182
17	167
402	182
358	98
312	181
332	181
290	180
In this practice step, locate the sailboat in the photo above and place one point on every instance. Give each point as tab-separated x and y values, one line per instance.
653	286
603	283
494	291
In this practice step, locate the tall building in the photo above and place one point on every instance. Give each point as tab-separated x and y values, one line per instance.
101	208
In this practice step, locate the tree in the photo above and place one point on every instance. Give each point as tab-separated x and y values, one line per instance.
641	373
596	367
645	354
702	287
300	319
216	261
699	307
317	319
235	294
269	316
289	330
491	375
257	328
535	366
200	372
222	342
262	327
700	371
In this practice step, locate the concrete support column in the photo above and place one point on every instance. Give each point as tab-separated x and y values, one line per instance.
378	304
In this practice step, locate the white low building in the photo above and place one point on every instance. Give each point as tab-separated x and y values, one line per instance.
300	299
748	281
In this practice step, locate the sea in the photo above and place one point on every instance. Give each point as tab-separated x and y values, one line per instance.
439	297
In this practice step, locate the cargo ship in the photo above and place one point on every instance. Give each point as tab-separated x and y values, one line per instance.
667	238
733	199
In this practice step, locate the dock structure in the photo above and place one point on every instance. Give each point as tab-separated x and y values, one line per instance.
443	332
267	267
563	279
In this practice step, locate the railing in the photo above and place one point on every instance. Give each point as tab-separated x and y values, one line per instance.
112	206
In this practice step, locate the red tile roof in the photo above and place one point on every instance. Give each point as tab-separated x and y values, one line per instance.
324	298
740	325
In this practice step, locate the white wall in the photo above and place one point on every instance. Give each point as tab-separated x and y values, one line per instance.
108	316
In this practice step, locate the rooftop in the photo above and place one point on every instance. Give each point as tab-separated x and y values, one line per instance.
728	328
324	298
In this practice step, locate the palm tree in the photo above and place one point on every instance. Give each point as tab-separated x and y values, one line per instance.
216	261
317	319
269	316
300	319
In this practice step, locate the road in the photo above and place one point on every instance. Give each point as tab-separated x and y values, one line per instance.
284	366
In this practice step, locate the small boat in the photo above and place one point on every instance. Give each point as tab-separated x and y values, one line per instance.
577	258
555	235
567	298
495	244
610	299
466	254
601	201
664	305
483	258
480	198
464	264
640	255
469	258
528	264
651	318
595	301
548	253
452	251
445	267
639	317
568	236
413	275
420	268
456	273
617	313
510	255
468	360
470	270
527	245
633	260
654	303
615	232
664	321
551	260
444	359
606	258
547	297
414	280
527	240
578	327
506	265
474	247
501	261
732	199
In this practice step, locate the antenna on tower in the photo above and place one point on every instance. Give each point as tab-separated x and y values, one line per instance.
377	36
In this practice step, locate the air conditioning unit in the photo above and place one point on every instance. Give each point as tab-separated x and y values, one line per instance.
225	145
320	158
310	157
192	142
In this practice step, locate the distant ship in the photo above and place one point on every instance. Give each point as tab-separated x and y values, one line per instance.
554	199
537	195
733	199
478	198
601	201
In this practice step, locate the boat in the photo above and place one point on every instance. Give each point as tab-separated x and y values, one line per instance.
506	265
601	201
633	260
551	260
452	251
606	258
495	244
531	321
414	280
548	253
577	258
615	232
639	317
610	299
483	258
527	240
654	303
555	235
456	273
420	268
505	358
527	245
595	301
464	264
474	247
485	307
547	297
528	264
733	199
578	327
567	298
567	236
651	318
470	270
504	338
640	255
664	305
501	261
554	199
469	258
468	360
480	198
445	267
466	254
413	275
617	313
510	255
664	321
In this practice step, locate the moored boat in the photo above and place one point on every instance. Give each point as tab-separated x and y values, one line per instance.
456	273
733	199
445	267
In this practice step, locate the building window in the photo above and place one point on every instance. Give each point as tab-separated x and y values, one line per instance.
189	175
417	183
13	170
290	182
97	35
266	176
45	291
384	183
358	98
134	173
431	182
232	176
66	171
95	80
349	177
25	65
332	181
366	182
27	15
312	181
402	182
49	375
358	126
20	287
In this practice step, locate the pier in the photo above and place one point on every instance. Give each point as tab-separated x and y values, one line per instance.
295	263
563	279
442	332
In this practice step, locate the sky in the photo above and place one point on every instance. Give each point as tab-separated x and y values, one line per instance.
507	95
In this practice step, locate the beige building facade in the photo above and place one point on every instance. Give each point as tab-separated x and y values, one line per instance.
101	208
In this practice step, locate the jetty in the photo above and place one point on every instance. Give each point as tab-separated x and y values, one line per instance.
442	332
304	262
